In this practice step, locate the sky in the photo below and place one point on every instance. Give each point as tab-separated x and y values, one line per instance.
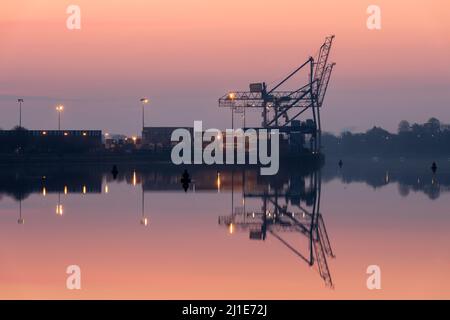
184	55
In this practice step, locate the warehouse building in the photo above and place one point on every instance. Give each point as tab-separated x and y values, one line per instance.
159	137
50	141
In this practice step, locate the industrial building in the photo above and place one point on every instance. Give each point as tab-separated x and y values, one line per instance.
50	141
159	137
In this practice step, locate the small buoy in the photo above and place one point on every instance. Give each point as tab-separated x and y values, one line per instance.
114	171
185	180
434	167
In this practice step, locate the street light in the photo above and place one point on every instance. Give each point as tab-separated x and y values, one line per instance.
60	109
144	101
20	101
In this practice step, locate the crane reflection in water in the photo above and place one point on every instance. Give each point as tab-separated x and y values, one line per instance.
292	206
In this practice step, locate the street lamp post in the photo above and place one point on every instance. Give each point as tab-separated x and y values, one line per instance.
232	96
144	101
232	117
59	108
20	101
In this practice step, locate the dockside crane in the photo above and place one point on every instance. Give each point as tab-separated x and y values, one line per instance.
281	109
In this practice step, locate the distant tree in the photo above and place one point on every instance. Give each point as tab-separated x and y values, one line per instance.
403	126
428	139
378	132
433	125
346	134
417	128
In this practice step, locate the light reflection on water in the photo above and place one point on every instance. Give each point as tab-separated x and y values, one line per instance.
233	234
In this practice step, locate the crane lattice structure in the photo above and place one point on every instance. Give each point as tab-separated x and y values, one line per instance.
281	108
275	219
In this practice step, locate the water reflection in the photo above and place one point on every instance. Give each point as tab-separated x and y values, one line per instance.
19	183
410	176
21	220
288	203
59	206
285	208
290	206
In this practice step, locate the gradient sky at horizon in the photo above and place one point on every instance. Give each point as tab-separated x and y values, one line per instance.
184	55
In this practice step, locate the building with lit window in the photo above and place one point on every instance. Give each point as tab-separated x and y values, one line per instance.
50	141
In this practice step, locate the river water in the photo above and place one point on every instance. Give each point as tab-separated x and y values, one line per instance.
301	234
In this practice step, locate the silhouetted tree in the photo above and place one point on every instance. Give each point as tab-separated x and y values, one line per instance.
404	126
412	140
416	128
433	125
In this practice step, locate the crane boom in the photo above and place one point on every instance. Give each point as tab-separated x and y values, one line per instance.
324	84
322	60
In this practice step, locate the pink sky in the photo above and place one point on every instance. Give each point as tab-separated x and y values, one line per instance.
183	55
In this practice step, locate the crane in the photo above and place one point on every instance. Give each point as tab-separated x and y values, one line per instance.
282	108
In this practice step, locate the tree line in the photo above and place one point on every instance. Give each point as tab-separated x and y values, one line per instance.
431	138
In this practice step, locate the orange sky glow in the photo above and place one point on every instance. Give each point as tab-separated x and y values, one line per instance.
186	54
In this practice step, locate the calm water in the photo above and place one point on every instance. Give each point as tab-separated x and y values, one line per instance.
233	234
